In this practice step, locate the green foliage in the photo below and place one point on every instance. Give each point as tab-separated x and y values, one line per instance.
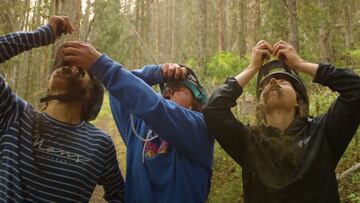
355	55
225	64
111	30
226	183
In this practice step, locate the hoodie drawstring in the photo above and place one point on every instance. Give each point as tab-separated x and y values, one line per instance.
138	136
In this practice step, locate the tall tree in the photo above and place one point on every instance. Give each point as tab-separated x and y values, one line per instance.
348	12
292	23
203	27
242	27
326	51
220	24
253	22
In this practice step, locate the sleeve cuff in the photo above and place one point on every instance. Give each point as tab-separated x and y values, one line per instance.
234	86
101	66
158	75
321	73
49	35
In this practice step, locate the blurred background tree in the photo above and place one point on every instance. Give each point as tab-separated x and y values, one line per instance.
213	37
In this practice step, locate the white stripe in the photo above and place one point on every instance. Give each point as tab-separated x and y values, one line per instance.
59	169
45	33
84	169
34	40
12	175
7	189
71	171
5	50
67	177
89	135
80	140
56	163
54	181
16	44
11	144
7	196
54	195
2	57
11	47
35	197
10	166
27	40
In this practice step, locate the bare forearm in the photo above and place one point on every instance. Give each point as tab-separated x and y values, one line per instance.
308	68
245	76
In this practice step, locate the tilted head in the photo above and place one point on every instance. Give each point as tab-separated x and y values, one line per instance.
68	84
278	86
187	92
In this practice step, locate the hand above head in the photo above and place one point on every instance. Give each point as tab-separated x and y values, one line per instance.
172	71
285	51
260	52
60	25
80	54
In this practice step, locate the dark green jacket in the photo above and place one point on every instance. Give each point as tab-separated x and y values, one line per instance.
299	164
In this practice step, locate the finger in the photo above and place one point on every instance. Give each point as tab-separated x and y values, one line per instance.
171	72
183	72
265	54
266	45
260	42
178	73
71	51
72	60
281	54
279	42
69	27
278	45
164	69
73	44
278	48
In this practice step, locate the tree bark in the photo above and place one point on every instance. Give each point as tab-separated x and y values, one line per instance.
292	23
220	24
253	23
348	18
202	33
242	28
326	51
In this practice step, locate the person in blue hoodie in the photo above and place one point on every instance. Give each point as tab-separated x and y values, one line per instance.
169	151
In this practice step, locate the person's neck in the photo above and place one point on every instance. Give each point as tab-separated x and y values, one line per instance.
280	118
66	112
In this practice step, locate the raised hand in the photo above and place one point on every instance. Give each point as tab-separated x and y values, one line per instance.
260	52
173	71
60	25
285	51
80	54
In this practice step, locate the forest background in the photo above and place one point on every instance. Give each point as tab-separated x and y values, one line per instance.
214	37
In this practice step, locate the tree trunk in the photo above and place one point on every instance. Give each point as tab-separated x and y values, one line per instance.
348	18
254	22
242	28
220	24
326	52
202	33
292	23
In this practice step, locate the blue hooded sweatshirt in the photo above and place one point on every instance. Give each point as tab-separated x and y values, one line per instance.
169	151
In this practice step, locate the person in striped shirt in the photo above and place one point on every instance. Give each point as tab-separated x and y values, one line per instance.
55	155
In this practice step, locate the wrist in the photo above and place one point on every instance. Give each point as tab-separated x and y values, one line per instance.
253	67
299	65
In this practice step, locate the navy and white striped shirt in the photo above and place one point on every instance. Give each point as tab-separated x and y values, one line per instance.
42	159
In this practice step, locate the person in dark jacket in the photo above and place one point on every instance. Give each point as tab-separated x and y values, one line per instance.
288	156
